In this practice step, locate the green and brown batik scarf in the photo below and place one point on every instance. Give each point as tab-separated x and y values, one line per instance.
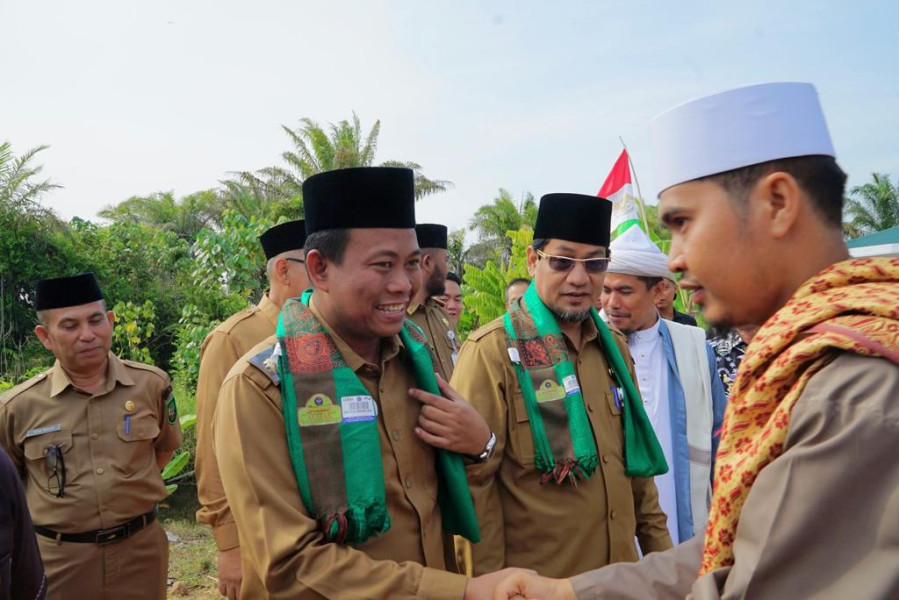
563	439
332	434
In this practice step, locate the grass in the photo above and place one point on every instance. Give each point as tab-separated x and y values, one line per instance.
192	558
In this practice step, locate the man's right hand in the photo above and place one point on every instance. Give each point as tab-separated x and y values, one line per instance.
527	585
230	573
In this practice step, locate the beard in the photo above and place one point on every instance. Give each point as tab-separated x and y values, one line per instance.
571	316
436	284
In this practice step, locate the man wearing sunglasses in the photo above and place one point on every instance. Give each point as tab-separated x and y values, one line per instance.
559	493
89	438
287	278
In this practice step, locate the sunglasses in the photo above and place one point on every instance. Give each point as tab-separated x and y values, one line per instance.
56	483
563	264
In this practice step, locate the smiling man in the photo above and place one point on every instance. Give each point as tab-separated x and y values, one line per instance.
568	484
341	471
89	438
676	374
806	472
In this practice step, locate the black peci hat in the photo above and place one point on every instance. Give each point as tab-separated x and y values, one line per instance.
431	235
63	292
360	198
575	218
281	238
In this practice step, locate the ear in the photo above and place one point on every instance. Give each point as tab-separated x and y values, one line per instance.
319	270
44	336
111	316
658	291
426	262
532	260
779	199
280	271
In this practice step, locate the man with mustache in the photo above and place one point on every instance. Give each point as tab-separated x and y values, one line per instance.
806	472
568	484
337	443
424	310
89	438
676	374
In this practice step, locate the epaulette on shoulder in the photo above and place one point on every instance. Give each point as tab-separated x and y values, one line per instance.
618	334
482	332
231	322
267	362
145	367
11	393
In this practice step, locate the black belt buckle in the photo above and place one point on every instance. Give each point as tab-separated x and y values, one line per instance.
113	535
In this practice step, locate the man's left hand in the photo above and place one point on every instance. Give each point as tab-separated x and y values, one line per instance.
450	422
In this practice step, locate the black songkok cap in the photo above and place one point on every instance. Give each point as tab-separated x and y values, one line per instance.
431	235
575	218
281	238
67	291
360	198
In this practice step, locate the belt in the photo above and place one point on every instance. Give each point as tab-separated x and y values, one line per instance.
102	537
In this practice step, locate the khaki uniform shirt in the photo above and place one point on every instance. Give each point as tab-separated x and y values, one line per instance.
820	521
109	451
221	349
558	530
440	333
283	553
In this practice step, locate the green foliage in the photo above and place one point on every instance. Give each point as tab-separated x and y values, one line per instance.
484	292
874	207
175	470
492	221
134	329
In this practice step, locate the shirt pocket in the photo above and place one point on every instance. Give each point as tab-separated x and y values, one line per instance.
137	437
521	438
35	450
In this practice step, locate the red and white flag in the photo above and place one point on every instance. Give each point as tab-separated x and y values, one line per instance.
620	192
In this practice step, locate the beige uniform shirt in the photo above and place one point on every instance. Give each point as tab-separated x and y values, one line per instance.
283	553
440	333
109	441
821	519
559	530
222	347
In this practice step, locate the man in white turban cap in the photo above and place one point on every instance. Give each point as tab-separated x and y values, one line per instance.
676	374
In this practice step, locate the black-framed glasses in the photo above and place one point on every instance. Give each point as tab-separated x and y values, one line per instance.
563	264
296	260
56	483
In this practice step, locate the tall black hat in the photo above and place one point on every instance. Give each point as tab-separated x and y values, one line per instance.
67	291
574	217
362	197
281	238
431	235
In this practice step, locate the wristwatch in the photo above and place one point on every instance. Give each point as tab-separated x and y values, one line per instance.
488	450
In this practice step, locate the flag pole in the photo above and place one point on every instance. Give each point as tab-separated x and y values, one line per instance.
637	183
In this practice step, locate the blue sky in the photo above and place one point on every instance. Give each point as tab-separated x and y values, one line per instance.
138	97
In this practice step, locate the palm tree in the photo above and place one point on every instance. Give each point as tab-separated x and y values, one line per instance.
18	190
185	217
874	208
316	150
492	221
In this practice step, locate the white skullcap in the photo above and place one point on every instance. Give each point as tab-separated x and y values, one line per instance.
737	128
634	253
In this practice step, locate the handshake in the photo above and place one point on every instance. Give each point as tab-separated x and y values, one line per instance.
518	584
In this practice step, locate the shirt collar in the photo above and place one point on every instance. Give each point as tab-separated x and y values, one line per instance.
115	372
390	347
645	336
269	309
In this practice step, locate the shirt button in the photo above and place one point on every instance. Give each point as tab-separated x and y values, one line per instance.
95	436
408	483
395	434
590	407
605	458
613	514
99	470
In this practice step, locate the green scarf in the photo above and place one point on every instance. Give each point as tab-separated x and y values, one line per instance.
333	438
563	438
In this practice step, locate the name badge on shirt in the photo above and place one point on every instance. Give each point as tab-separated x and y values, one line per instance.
356	409
43	430
571	385
513	356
